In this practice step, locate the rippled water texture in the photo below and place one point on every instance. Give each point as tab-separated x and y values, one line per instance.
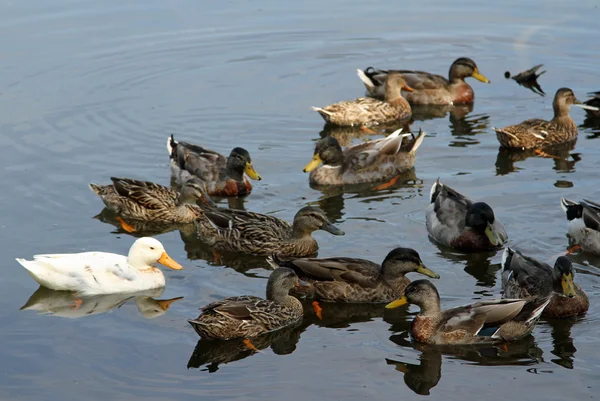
90	89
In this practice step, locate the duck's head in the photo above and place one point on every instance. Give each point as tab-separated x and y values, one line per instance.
311	218
404	260
480	217
151	308
239	162
463	68
563	276
421	293
564	99
395	83
280	282
194	189
327	151
146	251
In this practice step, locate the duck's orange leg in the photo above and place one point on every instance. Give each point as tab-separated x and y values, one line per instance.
127	227
368	130
318	310
573	249
540	152
250	346
388	184
216	256
77	302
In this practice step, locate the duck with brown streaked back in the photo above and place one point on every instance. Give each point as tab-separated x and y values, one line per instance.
372	161
525	277
537	133
224	176
369	111
353	280
429	88
249	316
456	221
481	322
260	234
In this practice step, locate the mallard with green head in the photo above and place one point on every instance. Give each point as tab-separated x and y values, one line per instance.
260	234
584	223
456	221
354	280
428	88
481	322
249	316
371	161
147	201
368	111
224	176
538	133
525	277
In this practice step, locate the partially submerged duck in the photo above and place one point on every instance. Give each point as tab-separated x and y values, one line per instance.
429	88
249	316
369	111
584	223
147	201
480	322
456	221
355	280
525	277
92	273
260	234
372	161
537	133
224	176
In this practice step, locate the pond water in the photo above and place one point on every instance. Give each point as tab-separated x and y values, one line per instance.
92	89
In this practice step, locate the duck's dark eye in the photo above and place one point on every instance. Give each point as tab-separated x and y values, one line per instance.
152	247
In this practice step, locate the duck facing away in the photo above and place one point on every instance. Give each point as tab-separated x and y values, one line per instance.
584	223
481	322
369	111
224	176
456	221
372	161
525	277
93	273
260	234
537	133
249	316
354	280
147	201
429	88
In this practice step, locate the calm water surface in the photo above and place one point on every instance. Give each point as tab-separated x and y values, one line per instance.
91	89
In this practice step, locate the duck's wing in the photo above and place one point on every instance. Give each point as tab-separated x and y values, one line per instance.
146	194
523	276
366	154
449	206
204	163
421	80
245	307
591	215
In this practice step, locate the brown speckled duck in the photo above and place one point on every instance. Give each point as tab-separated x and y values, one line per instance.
525	277
368	111
429	88
353	280
537	133
481	322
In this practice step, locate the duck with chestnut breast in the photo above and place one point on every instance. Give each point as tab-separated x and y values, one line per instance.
537	133
428	88
525	277
366	111
355	280
481	322
584	223
147	201
260	234
456	221
93	273
224	176
248	316
371	161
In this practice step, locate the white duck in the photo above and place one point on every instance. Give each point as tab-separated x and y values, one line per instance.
92	273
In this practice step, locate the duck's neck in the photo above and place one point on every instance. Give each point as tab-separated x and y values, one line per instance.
234	171
136	261
283	298
430	307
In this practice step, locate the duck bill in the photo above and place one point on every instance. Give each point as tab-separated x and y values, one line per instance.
429	273
166	303
313	164
166	260
407	88
480	77
492	235
397	303
568	287
330	228
249	169
581	105
302	284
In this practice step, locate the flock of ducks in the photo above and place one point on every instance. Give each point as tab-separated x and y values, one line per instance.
530	288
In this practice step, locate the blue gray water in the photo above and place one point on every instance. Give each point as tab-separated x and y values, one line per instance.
92	89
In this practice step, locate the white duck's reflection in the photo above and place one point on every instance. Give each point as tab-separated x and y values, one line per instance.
70	305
